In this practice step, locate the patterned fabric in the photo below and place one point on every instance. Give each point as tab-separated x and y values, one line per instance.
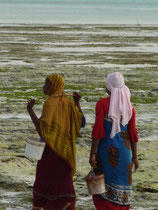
119	196
102	204
116	163
60	122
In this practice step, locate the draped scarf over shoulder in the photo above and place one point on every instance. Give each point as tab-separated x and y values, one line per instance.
120	110
60	122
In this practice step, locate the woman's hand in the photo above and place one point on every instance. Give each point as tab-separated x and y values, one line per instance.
135	163
76	97
30	104
93	161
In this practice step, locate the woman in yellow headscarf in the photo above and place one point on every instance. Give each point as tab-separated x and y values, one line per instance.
59	125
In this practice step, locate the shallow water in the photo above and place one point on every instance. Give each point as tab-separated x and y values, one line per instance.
79	11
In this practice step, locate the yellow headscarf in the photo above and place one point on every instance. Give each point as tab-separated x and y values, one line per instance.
60	122
57	84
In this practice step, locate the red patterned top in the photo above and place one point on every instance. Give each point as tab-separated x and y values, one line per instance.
102	108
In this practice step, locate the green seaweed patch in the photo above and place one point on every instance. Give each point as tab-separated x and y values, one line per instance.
5	69
152	188
73	87
144	100
28	198
22	95
18	187
3	145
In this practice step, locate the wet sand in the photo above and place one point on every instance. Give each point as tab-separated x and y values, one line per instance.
84	55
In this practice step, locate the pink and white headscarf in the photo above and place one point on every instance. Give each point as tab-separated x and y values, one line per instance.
120	110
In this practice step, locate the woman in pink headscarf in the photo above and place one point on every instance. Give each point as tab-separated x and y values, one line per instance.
114	137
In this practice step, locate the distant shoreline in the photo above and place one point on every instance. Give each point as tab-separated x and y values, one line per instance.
79	12
80	24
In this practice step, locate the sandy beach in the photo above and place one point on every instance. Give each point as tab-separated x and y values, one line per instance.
84	55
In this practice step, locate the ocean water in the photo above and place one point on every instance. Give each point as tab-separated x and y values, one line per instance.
79	11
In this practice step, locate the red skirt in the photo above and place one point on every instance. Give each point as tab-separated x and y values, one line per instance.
53	187
102	204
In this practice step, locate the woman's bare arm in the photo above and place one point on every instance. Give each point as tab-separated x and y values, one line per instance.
134	155
33	116
92	159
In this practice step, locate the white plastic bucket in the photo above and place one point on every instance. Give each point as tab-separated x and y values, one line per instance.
95	183
34	149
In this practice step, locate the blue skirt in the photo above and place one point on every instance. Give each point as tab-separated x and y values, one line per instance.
116	163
